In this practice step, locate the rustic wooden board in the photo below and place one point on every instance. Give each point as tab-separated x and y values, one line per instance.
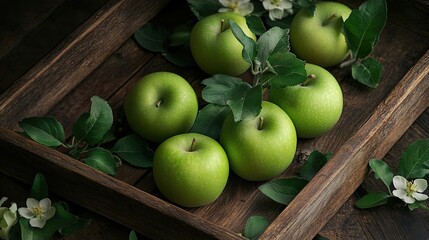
117	74
346	170
85	49
31	29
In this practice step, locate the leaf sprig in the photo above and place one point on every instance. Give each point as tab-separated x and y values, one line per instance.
90	131
62	222
413	164
362	31
284	191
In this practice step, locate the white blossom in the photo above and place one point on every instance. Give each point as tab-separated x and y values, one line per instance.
241	7
278	9
8	218
37	212
410	191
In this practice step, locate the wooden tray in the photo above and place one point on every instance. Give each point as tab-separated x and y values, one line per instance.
100	58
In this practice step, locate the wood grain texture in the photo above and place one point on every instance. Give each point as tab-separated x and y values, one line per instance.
74	59
336	182
103	194
37	27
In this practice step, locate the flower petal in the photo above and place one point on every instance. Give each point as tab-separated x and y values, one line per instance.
226	3
400	182
45	204
400	193
421	184
26	213
10	218
13	207
420	196
49	213
2	200
225	10
245	9
276	14
31	203
37	222
409	200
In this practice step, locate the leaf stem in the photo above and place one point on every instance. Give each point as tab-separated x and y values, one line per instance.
423	206
348	63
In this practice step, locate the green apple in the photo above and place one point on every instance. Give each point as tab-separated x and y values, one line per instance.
261	148
319	39
190	169
215	48
314	106
160	105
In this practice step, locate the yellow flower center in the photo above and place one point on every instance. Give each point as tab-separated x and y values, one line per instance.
38	211
233	5
411	188
276	2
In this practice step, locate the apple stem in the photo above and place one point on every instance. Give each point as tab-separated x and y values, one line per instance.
261	123
329	19
194	140
158	104
311	76
222	25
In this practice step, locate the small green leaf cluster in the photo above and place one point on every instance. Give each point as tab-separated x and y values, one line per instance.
173	45
413	164
63	222
362	31
284	191
272	64
90	131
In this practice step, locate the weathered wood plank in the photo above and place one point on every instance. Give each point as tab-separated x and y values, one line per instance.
103	194
307	214
33	37
74	59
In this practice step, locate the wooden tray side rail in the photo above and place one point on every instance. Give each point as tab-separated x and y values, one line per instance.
336	181
75	58
101	193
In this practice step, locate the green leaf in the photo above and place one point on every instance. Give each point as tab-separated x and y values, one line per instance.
255	24
414	162
382	171
283	190
61	219
151	38
372	200
255	226
91	127
287	70
39	189
210	119
132	236
367	72
204	8
180	56
44	130
180	35
247	104
75	227
417	204
274	40
243	99
102	160
134	150
249	45
363	27
314	163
